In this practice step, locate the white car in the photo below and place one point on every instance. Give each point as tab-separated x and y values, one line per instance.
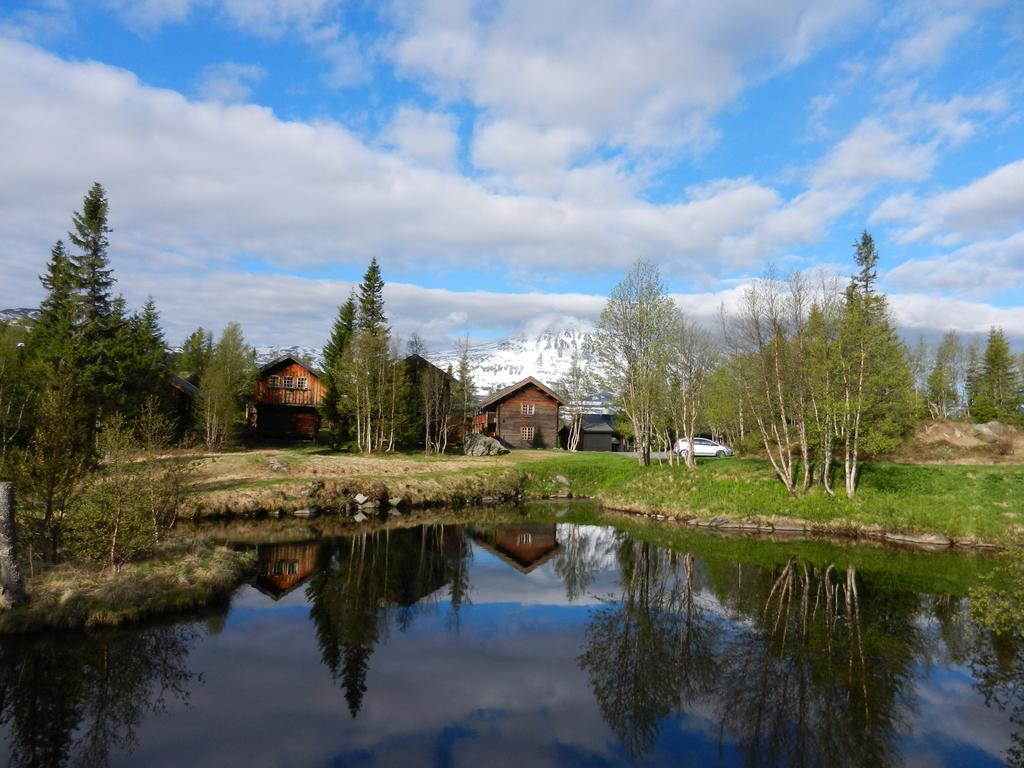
703	447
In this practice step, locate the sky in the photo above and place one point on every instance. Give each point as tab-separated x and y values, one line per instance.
506	163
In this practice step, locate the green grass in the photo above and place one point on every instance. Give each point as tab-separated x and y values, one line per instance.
963	502
182	577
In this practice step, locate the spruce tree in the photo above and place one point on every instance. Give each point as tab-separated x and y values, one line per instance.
95	277
146	369
50	342
371	315
867	259
998	395
335	354
195	355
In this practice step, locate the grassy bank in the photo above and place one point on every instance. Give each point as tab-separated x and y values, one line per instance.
182	577
968	504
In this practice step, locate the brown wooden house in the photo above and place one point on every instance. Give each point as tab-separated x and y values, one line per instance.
287	397
280	568
524	415
524	546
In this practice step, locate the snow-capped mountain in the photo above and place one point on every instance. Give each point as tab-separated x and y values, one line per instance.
310	355
545	355
19	316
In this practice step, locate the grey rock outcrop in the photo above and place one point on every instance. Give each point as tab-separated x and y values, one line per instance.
482	445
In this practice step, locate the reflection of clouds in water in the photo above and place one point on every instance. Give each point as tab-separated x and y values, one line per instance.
275	703
951	710
506	686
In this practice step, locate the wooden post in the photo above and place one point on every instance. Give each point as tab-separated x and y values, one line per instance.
12	586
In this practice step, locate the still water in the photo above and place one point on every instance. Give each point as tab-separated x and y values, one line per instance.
531	642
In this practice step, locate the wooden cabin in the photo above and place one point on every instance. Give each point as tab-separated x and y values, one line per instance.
280	568
525	546
524	415
288	395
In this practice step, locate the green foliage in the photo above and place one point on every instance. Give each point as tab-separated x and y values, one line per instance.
999	604
995	391
127	507
195	355
371	317
227	381
334	409
941	387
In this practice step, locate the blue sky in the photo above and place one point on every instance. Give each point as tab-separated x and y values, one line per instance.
506	162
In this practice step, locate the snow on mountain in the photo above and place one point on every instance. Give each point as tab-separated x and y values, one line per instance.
19	316
309	355
545	355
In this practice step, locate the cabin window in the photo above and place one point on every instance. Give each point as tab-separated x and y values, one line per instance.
526	433
293	568
528	409
524	538
275	381
279	568
289	382
302	383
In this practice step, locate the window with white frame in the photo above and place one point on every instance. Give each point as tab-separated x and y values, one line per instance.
527	409
302	383
275	381
289	382
526	433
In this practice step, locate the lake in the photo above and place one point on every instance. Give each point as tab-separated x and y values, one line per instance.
555	638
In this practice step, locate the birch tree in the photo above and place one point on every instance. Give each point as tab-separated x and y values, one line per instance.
630	346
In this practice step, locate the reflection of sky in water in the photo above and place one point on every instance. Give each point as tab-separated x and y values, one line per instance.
501	686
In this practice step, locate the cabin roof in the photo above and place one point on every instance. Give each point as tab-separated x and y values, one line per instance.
597	423
421	362
278	361
501	394
184	385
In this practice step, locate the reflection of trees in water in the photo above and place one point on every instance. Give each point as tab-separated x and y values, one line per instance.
365	583
996	661
580	559
818	671
72	699
644	650
812	668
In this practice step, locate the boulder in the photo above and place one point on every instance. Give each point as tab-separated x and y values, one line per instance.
561	479
275	465
361	498
359	517
482	445
396	501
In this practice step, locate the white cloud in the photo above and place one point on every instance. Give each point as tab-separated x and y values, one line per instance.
640	75
988	206
45	20
428	137
981	269
874	153
229	81
209	182
927	47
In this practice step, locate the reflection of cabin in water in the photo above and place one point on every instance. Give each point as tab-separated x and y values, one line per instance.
287	396
524	546
280	568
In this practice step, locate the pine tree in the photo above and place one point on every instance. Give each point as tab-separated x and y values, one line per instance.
95	277
997	397
371	315
50	342
195	355
867	259
334	408
146	365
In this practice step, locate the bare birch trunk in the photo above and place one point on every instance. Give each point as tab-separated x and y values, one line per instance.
12	586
